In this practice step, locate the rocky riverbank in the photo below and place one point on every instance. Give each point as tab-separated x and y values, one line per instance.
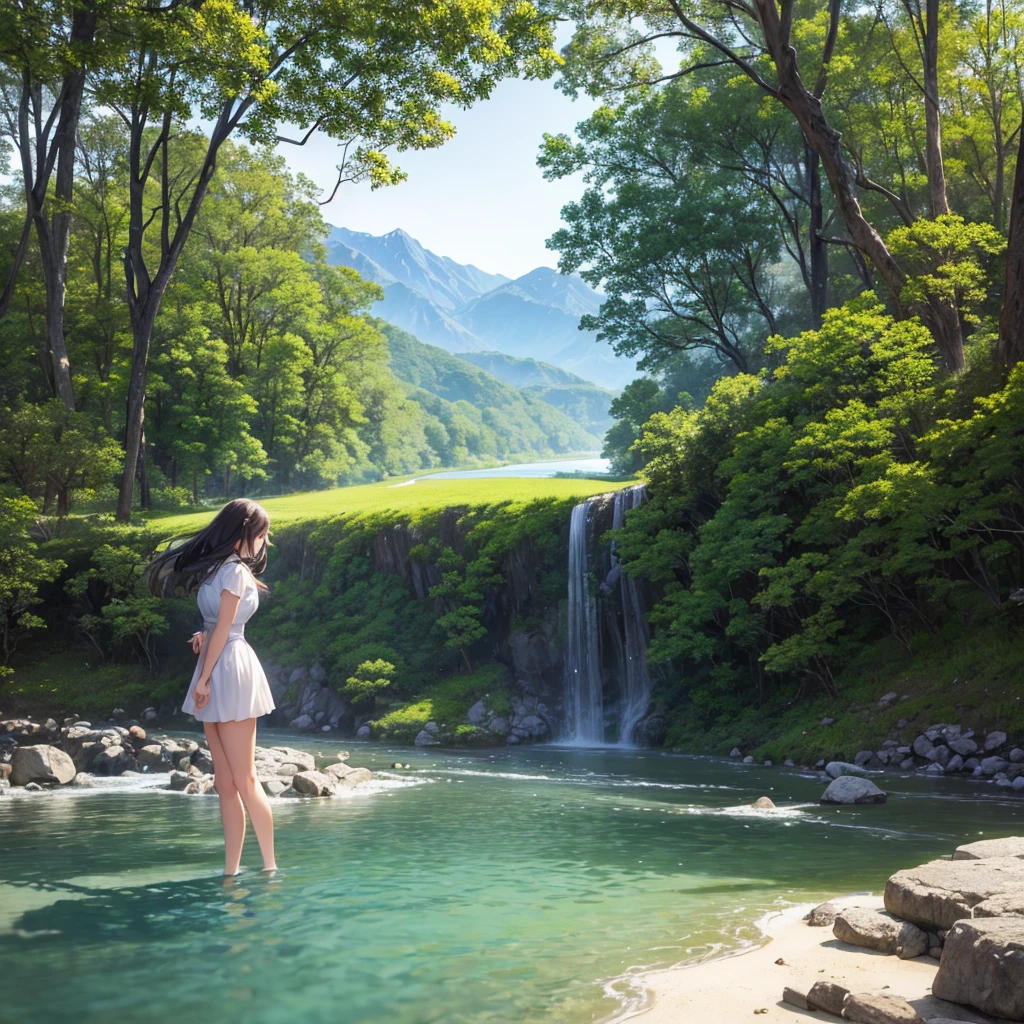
944	944
938	750
37	756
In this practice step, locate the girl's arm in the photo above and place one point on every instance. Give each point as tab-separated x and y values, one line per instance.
218	638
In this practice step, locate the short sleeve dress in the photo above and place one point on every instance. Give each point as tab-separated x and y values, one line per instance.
238	684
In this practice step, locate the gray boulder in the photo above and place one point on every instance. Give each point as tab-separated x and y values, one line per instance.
848	789
41	763
312	783
822	916
889	698
304	723
963	745
749	759
828	996
875	929
879	1008
936	895
111	760
994	740
498	725
992	765
922	745
735	752
273	786
835	769
290	755
346	776
939	755
1016	755
178	780
1013	846
955	764
477	714
863	757
152	758
425	738
363	732
983	965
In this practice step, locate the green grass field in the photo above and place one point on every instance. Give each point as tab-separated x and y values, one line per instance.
415	496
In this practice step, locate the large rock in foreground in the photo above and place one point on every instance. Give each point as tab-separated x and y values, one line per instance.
875	929
941	892
41	763
879	1008
313	783
848	789
983	965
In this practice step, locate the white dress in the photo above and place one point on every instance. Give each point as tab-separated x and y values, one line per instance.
238	684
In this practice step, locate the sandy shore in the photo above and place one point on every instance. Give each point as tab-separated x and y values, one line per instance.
728	991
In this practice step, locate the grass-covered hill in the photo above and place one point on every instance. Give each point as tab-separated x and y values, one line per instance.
582	401
481	415
413	495
106	644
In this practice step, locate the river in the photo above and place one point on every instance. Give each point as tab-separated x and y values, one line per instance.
528	469
492	887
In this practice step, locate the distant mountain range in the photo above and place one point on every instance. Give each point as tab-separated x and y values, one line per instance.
464	309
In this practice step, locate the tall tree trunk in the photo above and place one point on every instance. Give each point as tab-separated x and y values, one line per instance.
940	317
145	292
816	245
135	413
54	231
933	126
1010	348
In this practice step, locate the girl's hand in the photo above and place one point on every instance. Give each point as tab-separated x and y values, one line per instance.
197	641
201	694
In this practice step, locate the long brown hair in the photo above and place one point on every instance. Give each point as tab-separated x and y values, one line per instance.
188	562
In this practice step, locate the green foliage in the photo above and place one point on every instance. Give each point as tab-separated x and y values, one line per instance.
854	495
113	610
477	417
371	678
22	574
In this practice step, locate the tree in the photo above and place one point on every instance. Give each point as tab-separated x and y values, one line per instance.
684	268
46	49
375	72
756	40
47	451
22	573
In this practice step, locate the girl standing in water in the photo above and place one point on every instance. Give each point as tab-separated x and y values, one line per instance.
229	689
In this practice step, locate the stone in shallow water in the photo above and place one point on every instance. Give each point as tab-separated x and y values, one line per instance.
848	789
41	763
983	965
938	894
763	803
834	769
313	784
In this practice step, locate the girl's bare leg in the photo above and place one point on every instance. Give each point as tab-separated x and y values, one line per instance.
231	811
239	743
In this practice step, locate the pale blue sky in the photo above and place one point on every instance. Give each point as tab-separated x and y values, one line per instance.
478	199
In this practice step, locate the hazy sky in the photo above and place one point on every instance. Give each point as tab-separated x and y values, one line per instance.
480	198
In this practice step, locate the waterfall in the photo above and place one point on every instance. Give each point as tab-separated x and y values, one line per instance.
634	684
584	704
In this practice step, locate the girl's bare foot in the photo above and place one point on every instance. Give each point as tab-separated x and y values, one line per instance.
272	867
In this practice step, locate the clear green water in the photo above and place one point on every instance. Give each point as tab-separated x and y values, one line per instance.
530	886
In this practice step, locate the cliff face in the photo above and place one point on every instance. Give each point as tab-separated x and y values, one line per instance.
509	599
